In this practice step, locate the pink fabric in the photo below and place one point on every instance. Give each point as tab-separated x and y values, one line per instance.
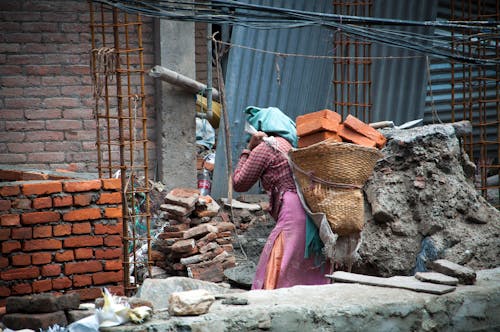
295	269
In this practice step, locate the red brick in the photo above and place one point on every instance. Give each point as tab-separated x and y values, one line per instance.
63	201
113	241
107	229
61	283
366	130
9	190
82	280
22	233
318	137
40	286
82	267
21	273
87	293
51	270
32	218
113	265
82	228
4	291
8	175
111	184
108	253
10	220
78	186
64	256
101	278
42	203
42	188
318	121
83	241
40	258
21	260
4	262
350	135
42	244
10	246
84	253
20	289
110	198
82	214
5	234
21	203
61	230
82	199
4	204
113	212
323	114
42	232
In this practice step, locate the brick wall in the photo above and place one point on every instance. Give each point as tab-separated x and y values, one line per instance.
59	235
46	101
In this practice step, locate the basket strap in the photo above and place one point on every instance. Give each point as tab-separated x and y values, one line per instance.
313	178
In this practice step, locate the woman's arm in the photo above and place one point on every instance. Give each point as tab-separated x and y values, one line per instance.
251	166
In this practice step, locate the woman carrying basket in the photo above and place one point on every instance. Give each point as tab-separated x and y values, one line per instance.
281	263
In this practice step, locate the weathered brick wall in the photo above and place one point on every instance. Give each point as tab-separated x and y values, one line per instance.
46	103
60	236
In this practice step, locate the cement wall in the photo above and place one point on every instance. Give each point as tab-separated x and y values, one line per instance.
347	307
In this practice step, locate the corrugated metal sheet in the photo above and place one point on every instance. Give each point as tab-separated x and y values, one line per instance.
298	85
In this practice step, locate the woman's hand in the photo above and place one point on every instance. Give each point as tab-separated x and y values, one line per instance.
256	139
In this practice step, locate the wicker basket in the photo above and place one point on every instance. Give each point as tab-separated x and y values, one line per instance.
330	176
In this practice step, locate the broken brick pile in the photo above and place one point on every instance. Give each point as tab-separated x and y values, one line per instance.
195	241
59	235
39	311
326	124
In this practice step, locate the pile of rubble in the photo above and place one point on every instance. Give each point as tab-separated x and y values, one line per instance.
194	241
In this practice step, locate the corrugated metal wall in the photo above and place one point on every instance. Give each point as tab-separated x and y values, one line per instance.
298	85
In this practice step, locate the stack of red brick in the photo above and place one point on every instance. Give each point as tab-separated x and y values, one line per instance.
60	236
326	124
195	242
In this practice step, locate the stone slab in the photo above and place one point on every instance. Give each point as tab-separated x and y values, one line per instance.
436	278
33	321
464	274
409	283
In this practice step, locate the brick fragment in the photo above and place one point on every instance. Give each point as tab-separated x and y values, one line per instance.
32	218
108	228
22	233
183	246
84	253
176	209
170	235
82	228
21	260
40	286
42	188
108	253
82	199
51	270
21	204
113	212
79	186
4	204
208	271
311	139
61	230
82	280
350	135
225	226
9	191
113	265
183	196
82	214
366	130
199	231
10	220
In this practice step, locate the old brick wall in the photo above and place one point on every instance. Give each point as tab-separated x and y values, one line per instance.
46	102
60	236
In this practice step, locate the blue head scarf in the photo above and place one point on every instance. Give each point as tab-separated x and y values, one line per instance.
272	120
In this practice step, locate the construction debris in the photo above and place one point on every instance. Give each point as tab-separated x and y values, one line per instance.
189	303
437	278
463	274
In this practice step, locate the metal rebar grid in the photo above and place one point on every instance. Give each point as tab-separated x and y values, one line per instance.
475	92
351	71
120	113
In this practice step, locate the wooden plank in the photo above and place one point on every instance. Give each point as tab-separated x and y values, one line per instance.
409	283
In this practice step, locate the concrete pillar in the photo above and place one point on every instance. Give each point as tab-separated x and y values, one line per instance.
176	125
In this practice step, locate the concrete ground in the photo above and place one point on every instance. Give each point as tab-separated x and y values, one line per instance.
346	307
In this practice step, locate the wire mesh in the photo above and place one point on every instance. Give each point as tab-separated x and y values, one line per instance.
352	76
117	67
475	92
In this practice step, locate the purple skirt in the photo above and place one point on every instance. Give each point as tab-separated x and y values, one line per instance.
295	269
